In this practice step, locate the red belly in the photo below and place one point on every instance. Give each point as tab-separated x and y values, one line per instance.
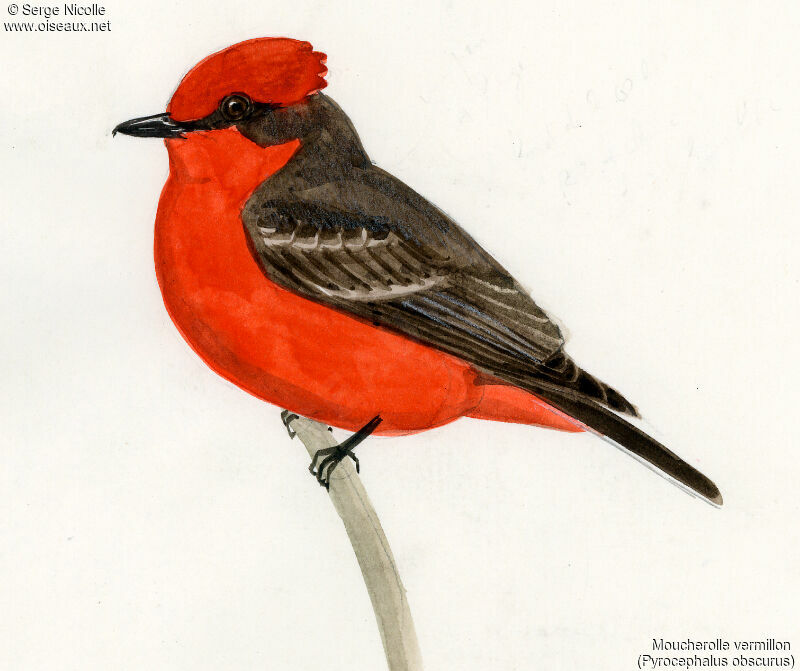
280	347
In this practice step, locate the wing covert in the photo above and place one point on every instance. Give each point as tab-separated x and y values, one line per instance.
395	264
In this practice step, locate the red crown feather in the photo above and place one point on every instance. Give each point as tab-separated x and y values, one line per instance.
275	70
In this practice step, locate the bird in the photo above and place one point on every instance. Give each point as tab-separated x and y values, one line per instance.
311	278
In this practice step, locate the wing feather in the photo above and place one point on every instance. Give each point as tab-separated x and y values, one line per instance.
369	246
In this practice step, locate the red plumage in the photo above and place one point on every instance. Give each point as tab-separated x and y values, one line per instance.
267	340
276	70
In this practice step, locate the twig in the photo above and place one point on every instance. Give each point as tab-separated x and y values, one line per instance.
372	550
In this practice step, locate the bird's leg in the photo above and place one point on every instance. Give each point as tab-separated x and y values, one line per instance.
330	457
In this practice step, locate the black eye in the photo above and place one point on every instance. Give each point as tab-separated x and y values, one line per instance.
235	107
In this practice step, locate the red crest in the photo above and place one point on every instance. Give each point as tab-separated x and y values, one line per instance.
276	70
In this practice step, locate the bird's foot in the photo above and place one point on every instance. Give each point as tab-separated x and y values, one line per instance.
327	459
287	418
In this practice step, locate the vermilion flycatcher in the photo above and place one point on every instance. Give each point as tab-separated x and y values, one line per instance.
316	281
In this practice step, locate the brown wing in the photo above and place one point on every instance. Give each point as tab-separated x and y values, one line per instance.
371	247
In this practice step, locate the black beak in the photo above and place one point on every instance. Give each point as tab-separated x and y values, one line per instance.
158	125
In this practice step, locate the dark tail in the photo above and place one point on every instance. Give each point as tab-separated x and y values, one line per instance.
622	434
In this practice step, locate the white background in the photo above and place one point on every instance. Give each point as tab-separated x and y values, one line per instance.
634	164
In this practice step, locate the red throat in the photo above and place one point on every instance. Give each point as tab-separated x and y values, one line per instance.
228	159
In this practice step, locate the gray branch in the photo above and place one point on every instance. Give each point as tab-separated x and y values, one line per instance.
372	550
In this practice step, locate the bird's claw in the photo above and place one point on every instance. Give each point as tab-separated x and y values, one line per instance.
327	459
287	418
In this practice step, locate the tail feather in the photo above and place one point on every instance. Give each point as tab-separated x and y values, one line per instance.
600	420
